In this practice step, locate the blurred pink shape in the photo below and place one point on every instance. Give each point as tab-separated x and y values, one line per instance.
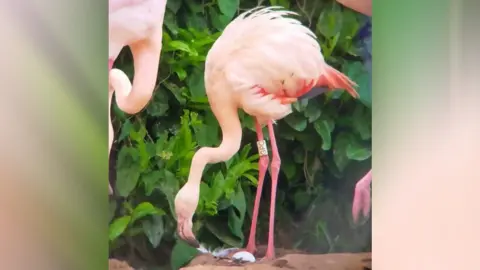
362	199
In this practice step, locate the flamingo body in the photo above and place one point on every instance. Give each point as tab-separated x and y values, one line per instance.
262	62
267	61
133	21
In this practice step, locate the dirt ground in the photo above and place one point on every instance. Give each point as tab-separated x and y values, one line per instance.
288	259
114	264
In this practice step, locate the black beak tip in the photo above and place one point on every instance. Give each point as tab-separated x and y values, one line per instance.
189	240
315	91
193	242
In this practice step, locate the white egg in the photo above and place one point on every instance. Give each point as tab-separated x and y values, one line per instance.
244	256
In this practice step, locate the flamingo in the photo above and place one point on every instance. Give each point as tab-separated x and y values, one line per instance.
361	6
262	62
137	24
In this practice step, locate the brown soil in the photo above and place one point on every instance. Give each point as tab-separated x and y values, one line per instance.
287	259
114	264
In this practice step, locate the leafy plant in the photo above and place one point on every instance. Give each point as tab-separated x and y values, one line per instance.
323	144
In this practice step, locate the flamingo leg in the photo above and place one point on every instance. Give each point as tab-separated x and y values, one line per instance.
274	175
361	198
262	169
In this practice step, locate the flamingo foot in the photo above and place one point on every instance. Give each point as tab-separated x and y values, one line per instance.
270	255
362	199
252	248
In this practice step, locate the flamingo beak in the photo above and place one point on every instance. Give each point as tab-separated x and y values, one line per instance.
184	231
315	91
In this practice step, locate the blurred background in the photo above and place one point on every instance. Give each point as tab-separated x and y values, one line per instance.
53	195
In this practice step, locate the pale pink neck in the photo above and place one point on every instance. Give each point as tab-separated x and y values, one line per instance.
227	117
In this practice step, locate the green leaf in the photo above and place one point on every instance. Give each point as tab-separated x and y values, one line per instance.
127	156
160	143
150	181
301	105
127	179
207	133
145	209
182	254
195	6
159	104
361	121
177	45
204	193
170	22
151	148
340	151
219	20
357	152
169	187
218	229
236	214
289	169
217	188
125	131
118	226
309	140
330	21
313	111
174	6
296	121
154	230
357	73
350	28
298	155
195	21
181	73
324	129
283	3
196	84
234	173
301	200
138	135
178	92
229	7
144	155
252	179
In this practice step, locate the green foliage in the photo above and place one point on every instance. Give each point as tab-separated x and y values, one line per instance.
320	143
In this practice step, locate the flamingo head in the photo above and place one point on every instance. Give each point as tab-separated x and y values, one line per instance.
186	203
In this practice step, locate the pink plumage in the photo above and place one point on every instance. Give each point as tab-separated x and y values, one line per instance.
267	60
261	63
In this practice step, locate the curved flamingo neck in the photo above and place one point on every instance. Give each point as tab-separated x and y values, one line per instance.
227	116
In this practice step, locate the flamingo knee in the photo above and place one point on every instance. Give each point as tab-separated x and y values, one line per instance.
276	162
